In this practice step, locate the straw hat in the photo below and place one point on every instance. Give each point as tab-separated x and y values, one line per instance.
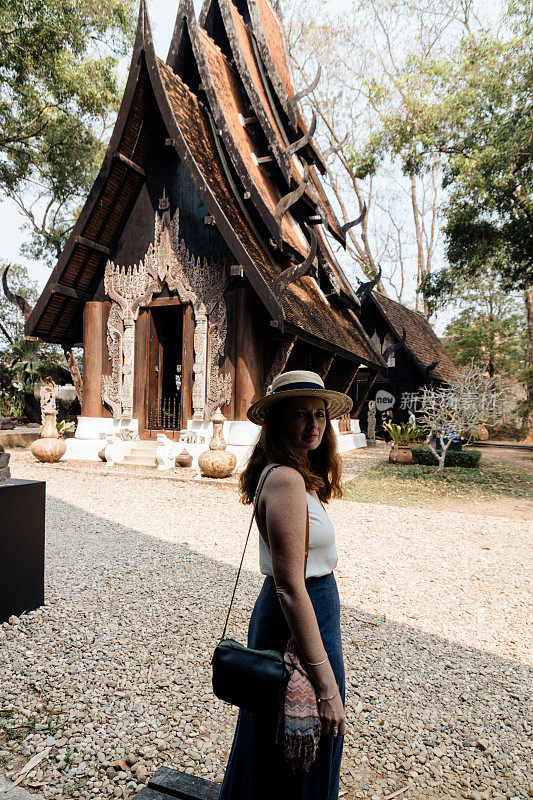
299	383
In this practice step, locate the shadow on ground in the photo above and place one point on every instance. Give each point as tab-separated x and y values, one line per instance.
126	636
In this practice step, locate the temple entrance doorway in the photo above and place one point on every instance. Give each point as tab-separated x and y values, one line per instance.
165	374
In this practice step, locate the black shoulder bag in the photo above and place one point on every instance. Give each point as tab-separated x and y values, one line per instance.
250	679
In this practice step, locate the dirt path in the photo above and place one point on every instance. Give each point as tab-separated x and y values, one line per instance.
513	456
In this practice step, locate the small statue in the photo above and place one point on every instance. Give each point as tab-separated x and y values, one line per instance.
48	406
371	428
49	447
5	473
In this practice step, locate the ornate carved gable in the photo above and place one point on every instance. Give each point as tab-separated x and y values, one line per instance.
195	281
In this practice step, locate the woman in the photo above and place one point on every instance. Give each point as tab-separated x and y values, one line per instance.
297	436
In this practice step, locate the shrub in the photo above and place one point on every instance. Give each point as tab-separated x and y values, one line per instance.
454	458
507	432
400	434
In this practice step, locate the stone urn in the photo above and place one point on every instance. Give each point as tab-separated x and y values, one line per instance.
217	462
184	459
49	448
400	454
482	433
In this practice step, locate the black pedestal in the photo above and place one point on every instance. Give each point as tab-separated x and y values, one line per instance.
21	547
169	783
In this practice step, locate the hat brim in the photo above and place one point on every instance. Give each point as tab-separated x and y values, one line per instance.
337	402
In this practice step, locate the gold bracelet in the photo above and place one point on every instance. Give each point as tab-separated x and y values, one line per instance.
318	699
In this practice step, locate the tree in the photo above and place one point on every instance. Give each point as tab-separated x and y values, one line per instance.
363	93
479	115
27	361
447	412
11	318
489	329
58	87
489	144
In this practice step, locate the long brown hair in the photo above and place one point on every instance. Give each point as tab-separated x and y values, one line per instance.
320	468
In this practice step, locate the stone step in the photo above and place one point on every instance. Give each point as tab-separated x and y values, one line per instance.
168	783
141	449
140	460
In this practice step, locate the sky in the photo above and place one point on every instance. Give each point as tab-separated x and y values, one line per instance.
162	16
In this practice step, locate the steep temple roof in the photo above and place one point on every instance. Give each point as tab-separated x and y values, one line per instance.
265	120
421	341
192	121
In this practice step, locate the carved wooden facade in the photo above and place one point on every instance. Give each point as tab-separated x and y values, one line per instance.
195	281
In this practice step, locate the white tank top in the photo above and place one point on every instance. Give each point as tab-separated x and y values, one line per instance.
322	558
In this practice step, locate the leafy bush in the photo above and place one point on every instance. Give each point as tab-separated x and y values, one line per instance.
404	433
64	427
454	458
400	434
507	432
11	404
419	432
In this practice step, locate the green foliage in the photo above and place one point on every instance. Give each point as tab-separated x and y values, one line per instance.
418	433
454	458
402	433
490	166
11	403
27	362
526	376
471	113
490	329
58	87
63	426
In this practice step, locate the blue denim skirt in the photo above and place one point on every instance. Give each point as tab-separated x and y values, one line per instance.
256	768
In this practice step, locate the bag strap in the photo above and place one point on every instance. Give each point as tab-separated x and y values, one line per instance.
256	502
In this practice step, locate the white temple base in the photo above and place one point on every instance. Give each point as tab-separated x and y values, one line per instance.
240	438
90	435
90	428
87	450
352	440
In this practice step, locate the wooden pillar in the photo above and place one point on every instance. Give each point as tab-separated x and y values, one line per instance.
140	370
94	317
187	361
364	394
231	348
248	366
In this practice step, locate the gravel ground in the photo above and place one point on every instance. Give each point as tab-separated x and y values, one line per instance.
115	667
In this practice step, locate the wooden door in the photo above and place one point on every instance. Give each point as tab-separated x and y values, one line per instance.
153	374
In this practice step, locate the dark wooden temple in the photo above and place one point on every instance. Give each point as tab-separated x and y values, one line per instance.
199	267
414	354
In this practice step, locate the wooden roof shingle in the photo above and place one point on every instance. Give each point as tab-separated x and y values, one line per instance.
421	341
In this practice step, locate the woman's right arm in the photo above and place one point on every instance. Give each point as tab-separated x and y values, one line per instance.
285	504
